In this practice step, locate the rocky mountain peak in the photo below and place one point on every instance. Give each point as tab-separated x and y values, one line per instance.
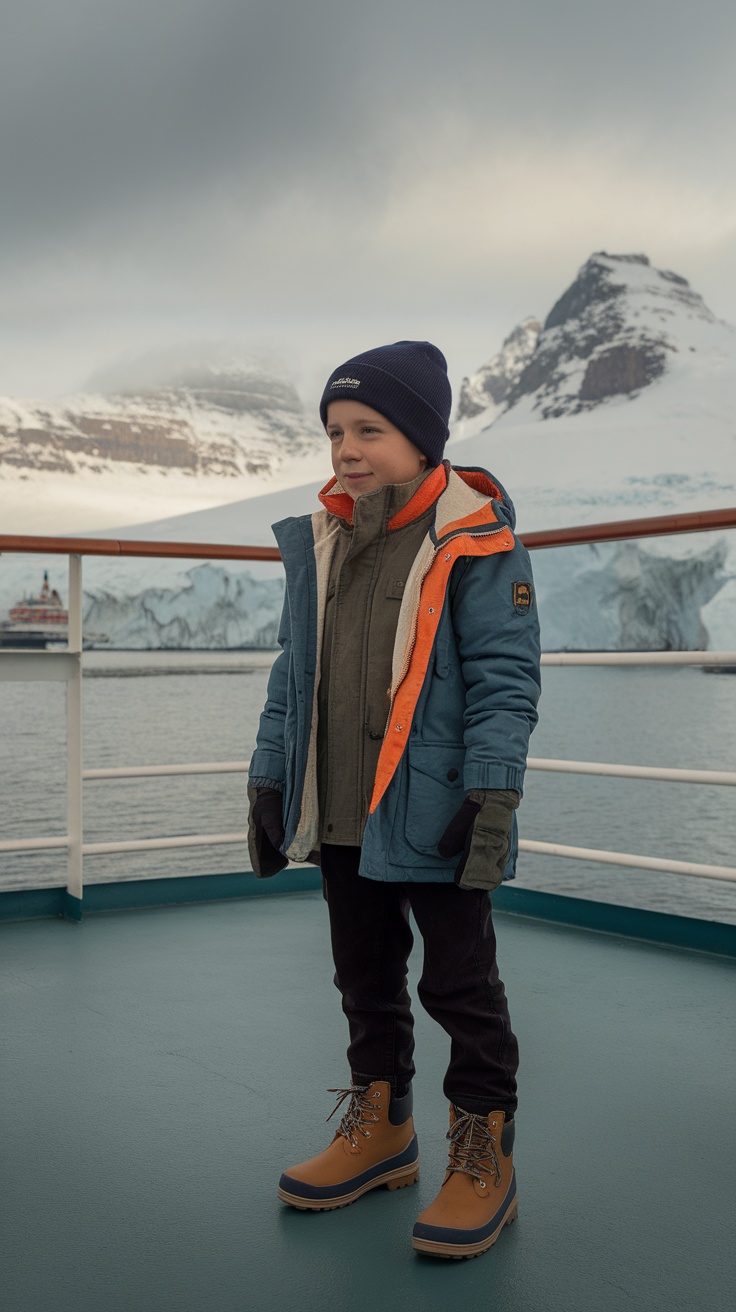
495	381
611	334
593	286
606	280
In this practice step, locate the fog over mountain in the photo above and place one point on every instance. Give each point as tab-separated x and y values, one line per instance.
157	436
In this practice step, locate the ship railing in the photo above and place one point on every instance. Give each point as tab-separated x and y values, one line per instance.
67	666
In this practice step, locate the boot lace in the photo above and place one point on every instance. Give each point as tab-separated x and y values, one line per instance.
473	1147
360	1113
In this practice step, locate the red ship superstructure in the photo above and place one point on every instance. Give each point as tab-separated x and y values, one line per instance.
36	620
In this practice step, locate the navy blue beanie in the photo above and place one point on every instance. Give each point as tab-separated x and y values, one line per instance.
407	383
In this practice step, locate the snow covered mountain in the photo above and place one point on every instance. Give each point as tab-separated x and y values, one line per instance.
488	391
167	440
626	402
615	331
622	404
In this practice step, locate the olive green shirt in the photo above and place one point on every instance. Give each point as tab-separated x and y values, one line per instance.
369	569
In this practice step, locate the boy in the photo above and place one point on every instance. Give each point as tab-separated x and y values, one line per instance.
392	750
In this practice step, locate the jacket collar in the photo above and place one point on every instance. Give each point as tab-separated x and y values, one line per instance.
395	505
471	503
464	497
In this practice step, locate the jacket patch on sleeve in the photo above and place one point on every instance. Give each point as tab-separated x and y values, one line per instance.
523	597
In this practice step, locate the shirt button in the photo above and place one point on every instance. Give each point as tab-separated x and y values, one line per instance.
452	775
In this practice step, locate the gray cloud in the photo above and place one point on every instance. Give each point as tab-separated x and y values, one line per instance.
181	167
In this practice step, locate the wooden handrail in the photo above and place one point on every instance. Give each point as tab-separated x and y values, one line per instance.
619	530
121	547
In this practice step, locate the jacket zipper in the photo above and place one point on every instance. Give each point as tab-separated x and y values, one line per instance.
410	650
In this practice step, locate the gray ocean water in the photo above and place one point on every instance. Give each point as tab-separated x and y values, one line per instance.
150	708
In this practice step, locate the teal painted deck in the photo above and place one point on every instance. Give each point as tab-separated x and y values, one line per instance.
161	1067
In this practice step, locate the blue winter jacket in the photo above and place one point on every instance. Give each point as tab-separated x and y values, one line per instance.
465	679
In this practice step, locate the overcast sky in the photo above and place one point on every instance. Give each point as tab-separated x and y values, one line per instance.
311	179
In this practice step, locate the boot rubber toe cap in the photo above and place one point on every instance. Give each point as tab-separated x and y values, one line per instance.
452	1235
289	1184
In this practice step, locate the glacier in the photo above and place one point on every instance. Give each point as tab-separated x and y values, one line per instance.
593	598
668	596
623	597
214	608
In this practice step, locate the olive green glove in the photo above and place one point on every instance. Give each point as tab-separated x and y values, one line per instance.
481	831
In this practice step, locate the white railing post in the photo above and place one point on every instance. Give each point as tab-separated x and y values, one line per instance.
75	833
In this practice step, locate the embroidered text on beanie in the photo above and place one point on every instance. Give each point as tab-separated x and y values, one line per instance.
407	382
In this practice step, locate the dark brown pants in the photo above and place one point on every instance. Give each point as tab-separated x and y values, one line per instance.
459	986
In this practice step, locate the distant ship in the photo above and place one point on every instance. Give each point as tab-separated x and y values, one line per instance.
36	621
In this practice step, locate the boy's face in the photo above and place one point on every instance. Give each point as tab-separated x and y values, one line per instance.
368	452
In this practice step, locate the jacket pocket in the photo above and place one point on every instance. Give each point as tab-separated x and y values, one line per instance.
435	791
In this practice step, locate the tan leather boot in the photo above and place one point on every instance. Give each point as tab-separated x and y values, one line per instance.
374	1145
478	1196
